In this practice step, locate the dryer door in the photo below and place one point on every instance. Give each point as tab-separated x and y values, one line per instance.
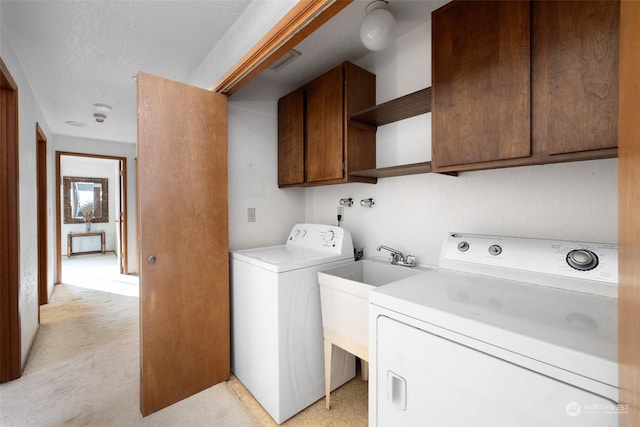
424	379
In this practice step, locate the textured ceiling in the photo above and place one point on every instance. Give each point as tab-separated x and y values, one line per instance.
76	53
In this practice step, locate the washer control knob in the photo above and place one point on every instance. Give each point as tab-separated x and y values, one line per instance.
329	235
582	259
296	232
463	246
495	250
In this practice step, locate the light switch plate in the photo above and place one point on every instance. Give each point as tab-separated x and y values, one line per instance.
251	215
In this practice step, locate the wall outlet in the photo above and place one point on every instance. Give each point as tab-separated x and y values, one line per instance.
251	215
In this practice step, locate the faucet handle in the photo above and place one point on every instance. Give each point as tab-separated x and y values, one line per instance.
410	260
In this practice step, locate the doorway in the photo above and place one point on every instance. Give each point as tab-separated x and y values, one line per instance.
91	210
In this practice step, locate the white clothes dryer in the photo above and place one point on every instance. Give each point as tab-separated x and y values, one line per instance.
276	324
506	332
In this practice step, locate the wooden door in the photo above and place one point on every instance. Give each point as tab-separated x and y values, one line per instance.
481	82
42	216
291	119
10	342
575	75
121	220
324	127
184	270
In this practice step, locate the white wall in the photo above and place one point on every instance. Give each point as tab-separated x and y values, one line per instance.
414	213
253	172
108	148
29	113
575	201
91	168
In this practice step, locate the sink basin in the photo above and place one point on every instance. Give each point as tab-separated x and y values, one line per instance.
344	300
344	297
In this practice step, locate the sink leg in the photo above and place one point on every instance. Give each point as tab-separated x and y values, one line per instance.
364	366
328	347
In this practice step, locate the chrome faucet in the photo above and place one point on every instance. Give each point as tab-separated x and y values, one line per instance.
398	258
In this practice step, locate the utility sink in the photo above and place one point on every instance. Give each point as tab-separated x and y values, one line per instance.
344	296
344	300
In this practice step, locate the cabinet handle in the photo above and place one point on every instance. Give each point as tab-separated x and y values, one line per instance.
152	259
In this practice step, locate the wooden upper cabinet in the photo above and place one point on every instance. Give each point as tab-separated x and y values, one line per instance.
316	143
481	82
324	153
291	138
575	53
486	56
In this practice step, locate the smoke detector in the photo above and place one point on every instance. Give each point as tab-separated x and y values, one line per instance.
100	117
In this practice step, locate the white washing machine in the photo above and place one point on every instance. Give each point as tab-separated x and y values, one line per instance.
506	332
276	324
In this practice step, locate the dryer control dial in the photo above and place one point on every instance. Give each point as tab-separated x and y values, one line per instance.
582	259
495	250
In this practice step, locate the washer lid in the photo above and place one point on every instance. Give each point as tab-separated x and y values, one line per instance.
286	257
574	331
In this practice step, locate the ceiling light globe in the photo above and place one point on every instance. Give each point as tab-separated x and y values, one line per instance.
376	31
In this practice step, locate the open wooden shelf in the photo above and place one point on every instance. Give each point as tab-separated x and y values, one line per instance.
410	169
410	105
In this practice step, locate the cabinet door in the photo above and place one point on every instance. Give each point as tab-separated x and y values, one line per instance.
575	75
324	127
291	139
481	82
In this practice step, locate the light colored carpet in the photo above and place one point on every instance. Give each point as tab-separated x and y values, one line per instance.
98	272
84	369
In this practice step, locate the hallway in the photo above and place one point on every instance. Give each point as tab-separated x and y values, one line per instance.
84	365
83	368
